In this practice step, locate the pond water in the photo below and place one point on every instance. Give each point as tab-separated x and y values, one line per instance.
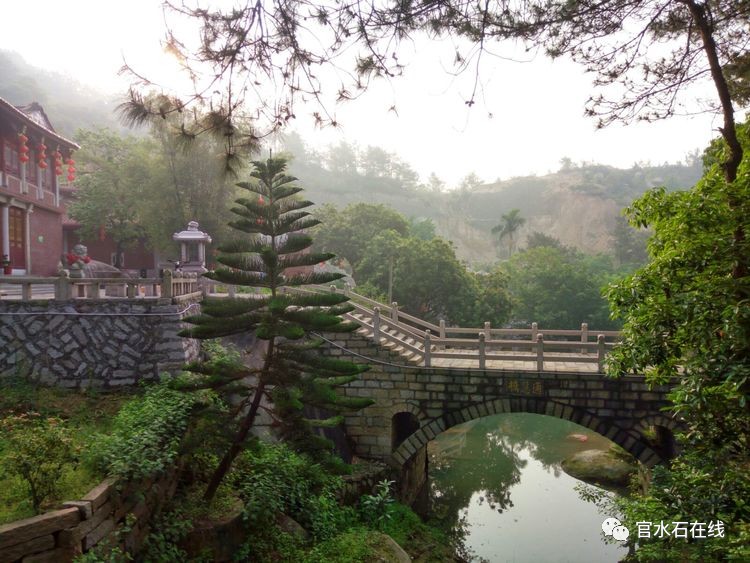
499	480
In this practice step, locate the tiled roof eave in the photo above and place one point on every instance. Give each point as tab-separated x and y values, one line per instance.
34	125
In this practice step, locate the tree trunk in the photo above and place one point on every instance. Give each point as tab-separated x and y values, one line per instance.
242	433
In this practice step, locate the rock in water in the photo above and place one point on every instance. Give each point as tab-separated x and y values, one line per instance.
605	467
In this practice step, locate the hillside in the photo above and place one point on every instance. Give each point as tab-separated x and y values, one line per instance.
577	205
69	104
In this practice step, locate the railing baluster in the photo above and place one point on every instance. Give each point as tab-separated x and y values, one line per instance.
442	333
584	336
166	285
427	349
487	330
482	359
62	287
376	324
601	349
26	291
394	312
539	352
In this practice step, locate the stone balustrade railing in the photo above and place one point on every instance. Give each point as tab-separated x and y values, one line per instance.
173	285
424	341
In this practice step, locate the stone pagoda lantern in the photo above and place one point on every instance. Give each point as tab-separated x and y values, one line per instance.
192	248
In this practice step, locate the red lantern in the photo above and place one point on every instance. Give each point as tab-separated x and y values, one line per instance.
260	220
42	155
23	150
71	169
58	163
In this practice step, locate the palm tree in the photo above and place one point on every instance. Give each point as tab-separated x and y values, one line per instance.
509	225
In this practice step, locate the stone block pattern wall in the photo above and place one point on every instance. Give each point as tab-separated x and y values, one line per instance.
112	512
441	398
102	343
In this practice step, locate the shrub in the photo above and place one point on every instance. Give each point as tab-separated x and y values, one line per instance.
146	434
36	449
272	478
376	509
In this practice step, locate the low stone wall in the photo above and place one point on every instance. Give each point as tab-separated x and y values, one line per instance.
113	512
101	343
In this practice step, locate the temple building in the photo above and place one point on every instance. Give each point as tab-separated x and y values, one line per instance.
37	174
35	164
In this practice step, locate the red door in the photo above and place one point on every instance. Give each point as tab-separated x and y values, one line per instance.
16	231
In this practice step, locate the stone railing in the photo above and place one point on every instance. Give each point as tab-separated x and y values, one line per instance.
173	285
422	342
113	512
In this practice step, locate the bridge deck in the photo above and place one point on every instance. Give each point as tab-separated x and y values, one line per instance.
530	365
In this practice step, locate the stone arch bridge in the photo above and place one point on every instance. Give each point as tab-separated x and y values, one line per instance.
424	384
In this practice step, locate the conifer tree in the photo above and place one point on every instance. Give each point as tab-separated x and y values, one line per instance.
293	373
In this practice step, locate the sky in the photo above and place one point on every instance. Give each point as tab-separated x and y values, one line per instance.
536	106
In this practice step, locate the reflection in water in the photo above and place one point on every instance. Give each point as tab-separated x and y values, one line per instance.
497	481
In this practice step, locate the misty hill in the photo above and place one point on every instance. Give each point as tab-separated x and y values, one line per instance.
579	205
69	104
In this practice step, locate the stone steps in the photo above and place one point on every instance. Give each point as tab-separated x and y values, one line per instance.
410	356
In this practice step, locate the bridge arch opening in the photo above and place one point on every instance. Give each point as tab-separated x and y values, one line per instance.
630	439
403	425
659	432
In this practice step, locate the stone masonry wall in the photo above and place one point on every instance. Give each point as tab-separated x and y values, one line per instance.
101	343
441	398
113	512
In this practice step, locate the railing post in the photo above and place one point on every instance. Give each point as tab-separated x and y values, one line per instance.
333	289
62	287
534	331
376	324
539	352
394	312
601	350
487	330
584	336
232	291
482	359
26	291
442	333
132	290
166	285
427	349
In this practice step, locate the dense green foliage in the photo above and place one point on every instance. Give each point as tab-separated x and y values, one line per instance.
271	479
686	317
42	427
273	254
559	288
36	449
148	188
146	434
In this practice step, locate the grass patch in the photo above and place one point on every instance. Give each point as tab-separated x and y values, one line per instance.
83	414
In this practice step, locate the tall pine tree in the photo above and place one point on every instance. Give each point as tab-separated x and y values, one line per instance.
293	373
